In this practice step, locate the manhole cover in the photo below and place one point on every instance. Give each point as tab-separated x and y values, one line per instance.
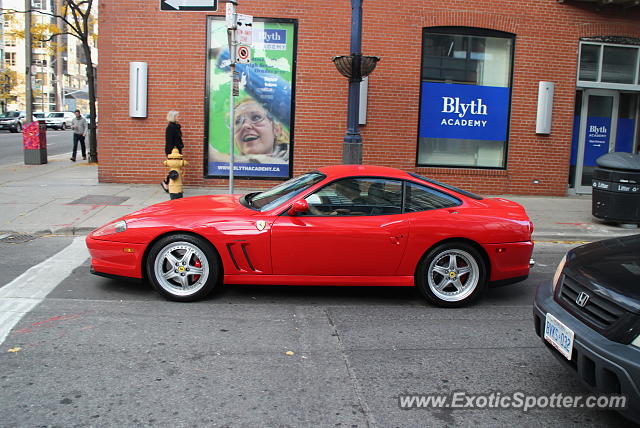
17	238
99	200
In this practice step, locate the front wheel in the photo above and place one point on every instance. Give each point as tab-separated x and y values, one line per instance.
19	127
63	127
183	267
452	275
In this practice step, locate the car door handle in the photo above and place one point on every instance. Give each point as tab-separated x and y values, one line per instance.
396	239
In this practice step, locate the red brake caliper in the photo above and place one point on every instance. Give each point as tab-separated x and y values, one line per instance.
198	265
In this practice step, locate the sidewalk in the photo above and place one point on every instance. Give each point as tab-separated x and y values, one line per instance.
37	199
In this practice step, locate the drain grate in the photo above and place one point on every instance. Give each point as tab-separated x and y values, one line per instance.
17	238
99	200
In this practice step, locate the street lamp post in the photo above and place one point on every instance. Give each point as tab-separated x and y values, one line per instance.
28	59
354	67
352	148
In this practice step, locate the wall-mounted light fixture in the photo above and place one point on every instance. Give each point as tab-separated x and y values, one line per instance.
545	107
138	89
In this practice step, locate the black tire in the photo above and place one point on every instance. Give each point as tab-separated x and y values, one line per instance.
189	253
451	275
63	127
19	127
14	129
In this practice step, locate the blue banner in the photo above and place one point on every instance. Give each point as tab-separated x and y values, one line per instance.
467	112
624	138
597	139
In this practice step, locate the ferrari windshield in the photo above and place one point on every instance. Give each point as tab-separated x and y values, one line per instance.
275	196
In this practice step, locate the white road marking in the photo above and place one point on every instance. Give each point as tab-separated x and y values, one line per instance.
21	295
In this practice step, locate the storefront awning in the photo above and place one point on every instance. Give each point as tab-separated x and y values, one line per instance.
79	94
599	3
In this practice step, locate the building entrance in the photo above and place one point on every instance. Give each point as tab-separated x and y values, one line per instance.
605	121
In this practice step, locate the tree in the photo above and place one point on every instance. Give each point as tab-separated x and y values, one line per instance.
8	82
76	21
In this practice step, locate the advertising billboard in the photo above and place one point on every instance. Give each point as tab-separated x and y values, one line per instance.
263	128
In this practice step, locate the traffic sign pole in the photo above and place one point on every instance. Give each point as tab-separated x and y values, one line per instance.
231	31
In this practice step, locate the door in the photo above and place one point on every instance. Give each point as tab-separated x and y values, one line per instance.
354	227
607	122
599	119
338	246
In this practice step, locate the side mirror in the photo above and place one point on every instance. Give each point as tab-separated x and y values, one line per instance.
298	207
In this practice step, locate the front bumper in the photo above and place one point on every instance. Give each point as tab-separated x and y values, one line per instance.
603	366
115	258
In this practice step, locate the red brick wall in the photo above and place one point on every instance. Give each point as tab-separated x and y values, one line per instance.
174	45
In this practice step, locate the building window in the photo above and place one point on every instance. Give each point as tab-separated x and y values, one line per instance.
609	63
36	4
40	60
465	96
10	59
10	42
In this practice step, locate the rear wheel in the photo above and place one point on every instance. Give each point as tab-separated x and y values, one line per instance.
452	275
183	267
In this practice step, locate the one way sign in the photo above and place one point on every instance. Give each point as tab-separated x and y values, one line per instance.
189	5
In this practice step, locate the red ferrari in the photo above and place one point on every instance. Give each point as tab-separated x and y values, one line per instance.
339	225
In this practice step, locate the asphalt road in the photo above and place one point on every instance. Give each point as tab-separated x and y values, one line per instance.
101	352
11	151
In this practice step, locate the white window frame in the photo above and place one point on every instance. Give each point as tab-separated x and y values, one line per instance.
604	85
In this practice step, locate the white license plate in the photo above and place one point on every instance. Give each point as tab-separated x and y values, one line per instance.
558	335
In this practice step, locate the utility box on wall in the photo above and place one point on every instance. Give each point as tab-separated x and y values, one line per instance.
138	89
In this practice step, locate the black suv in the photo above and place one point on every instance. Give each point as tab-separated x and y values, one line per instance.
12	121
589	317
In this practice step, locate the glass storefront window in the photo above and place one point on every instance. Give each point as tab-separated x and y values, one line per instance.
465	96
607	63
589	62
619	64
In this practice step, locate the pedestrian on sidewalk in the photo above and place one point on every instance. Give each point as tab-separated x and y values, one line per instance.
173	138
79	126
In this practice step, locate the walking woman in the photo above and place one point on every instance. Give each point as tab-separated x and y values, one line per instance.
173	138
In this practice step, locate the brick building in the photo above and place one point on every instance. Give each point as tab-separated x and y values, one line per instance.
454	96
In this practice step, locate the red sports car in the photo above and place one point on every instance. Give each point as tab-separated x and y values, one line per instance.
339	225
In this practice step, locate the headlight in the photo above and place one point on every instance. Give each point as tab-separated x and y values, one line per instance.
556	276
636	342
111	228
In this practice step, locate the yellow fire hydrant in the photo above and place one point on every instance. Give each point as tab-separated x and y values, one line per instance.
175	163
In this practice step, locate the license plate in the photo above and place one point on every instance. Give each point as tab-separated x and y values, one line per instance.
558	335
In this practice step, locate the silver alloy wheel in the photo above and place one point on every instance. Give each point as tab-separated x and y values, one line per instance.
453	275
181	268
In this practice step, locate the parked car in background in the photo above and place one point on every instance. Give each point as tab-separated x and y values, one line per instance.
339	225
588	315
39	116
12	121
59	119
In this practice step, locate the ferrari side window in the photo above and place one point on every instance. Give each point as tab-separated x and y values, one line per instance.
422	198
357	197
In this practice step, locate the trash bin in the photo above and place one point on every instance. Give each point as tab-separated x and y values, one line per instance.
34	140
616	188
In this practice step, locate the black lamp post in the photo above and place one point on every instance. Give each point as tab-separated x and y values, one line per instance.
354	67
